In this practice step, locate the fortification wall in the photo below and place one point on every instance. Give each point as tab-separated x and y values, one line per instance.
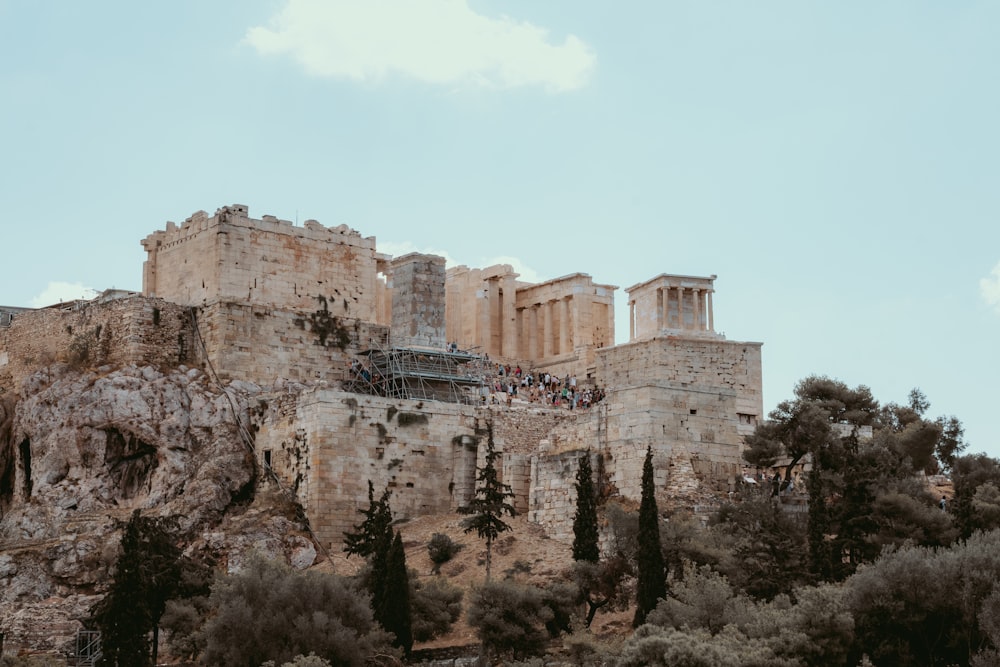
261	344
688	363
424	452
117	332
232	257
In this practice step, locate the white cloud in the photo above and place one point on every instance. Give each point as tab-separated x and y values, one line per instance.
434	41
989	287
527	274
56	292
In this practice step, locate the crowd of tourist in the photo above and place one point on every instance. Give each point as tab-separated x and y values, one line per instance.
504	383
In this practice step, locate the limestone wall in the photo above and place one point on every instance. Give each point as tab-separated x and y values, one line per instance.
418	301
115	332
232	257
685	362
262	344
425	452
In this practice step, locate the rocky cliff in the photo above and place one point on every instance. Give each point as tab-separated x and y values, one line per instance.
80	450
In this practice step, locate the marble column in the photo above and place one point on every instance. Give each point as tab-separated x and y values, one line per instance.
533	332
547	329
661	308
564	325
697	310
680	307
631	320
508	343
711	311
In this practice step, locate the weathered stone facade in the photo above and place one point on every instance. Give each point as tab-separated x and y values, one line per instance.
230	256
293	309
556	326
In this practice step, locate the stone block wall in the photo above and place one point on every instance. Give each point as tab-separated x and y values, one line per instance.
418	301
553	492
424	452
688	363
232	257
115	332
261	344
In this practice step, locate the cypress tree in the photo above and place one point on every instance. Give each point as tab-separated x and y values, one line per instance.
147	574
394	608
585	521
651	585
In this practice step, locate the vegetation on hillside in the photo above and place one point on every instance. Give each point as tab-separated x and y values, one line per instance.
877	571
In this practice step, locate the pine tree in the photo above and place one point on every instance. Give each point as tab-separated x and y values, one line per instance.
585	521
394	605
651	585
490	503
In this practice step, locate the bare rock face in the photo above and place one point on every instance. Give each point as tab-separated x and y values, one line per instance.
81	450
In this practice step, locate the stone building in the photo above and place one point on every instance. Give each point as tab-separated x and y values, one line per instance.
383	396
555	326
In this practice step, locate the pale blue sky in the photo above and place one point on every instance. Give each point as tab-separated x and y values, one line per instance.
836	164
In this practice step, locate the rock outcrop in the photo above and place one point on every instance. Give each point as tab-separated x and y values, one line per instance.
81	450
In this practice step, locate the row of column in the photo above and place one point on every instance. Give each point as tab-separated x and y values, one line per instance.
541	321
700	308
701	302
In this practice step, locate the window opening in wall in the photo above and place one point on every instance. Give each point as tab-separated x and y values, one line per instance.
267	457
747	418
693	411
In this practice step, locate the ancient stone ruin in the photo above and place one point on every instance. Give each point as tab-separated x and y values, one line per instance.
359	366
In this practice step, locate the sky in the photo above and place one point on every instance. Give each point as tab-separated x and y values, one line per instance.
836	164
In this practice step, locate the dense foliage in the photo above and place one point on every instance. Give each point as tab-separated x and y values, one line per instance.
269	612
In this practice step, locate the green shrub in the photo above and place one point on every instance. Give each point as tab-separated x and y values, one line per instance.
269	612
510	618
442	549
435	605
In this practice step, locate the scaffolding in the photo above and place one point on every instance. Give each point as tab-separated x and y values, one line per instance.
417	373
88	648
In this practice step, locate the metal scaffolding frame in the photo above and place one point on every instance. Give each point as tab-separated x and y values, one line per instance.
88	648
427	374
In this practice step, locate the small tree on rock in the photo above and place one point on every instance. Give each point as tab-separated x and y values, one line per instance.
490	503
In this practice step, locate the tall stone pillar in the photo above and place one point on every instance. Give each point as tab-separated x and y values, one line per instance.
563	325
547	329
508	317
419	301
711	311
533	332
495	320
697	310
661	308
631	320
574	323
680	307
